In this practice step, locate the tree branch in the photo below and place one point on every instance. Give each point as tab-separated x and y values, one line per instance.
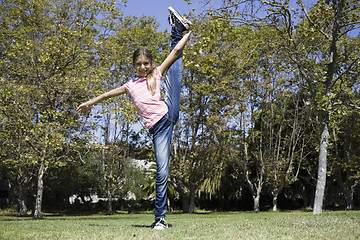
312	23
346	71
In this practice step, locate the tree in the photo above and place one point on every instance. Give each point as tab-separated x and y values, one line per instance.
48	55
278	119
346	167
201	135
313	48
331	29
15	153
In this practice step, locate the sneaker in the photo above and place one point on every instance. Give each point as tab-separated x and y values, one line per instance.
159	224
176	20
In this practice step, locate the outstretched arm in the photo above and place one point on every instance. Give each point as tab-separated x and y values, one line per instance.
84	107
175	53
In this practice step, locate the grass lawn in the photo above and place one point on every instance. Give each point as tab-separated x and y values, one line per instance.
233	225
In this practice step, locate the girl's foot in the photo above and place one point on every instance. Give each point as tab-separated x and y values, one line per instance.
176	20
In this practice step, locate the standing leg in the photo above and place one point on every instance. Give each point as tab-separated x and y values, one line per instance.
162	134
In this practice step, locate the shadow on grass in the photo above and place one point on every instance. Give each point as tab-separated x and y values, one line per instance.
13	217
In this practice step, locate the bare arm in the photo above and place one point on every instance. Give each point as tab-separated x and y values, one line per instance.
175	53
84	107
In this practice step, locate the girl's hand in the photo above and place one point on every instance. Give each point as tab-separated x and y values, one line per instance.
188	22
83	109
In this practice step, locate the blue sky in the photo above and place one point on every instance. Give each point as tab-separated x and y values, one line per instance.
159	9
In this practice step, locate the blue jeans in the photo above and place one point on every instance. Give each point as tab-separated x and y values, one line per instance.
163	129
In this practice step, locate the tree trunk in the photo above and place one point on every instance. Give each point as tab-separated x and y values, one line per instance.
275	200
321	179
184	196
22	208
256	196
109	202
22	201
349	198
257	203
305	196
169	206
349	190
192	201
256	191
185	202
40	188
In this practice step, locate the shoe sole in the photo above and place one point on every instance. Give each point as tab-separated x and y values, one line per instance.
179	17
159	228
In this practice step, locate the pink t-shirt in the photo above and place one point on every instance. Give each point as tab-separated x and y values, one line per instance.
150	106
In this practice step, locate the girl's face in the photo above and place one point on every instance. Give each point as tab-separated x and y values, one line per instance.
143	65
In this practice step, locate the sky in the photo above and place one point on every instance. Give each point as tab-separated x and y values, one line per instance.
159	9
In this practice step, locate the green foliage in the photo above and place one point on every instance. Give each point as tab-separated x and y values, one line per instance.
254	95
47	60
307	63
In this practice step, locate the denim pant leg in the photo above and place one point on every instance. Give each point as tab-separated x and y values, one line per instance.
173	80
162	131
162	134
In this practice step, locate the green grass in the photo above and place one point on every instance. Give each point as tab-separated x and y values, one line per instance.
234	225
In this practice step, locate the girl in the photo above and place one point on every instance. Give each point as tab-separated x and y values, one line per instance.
157	115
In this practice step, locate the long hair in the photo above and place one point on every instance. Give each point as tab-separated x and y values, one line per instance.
150	78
